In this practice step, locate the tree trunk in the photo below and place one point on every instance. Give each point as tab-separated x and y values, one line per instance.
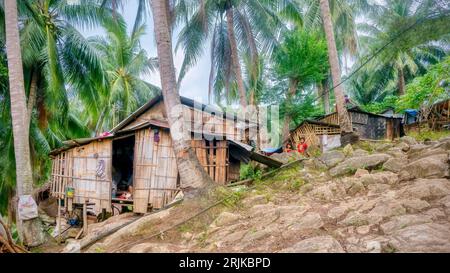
30	231
293	84
32	95
235	58
192	174
344	119
401	82
324	93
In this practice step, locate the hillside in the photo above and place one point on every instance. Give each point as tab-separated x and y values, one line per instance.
375	197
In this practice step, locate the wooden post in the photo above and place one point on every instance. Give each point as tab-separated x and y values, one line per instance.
59	220
85	218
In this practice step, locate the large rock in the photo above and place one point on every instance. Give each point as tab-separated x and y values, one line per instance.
385	210
327	192
226	218
363	162
360	152
311	220
413	156
430	237
403	146
383	147
427	188
403	221
320	244
332	158
379	178
415	204
348	150
394	165
435	166
408	140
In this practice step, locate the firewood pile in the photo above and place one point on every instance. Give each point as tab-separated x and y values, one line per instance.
7	244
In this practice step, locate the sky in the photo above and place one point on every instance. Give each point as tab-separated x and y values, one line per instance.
195	83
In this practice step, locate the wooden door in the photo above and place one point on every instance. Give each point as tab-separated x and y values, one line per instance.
92	174
155	170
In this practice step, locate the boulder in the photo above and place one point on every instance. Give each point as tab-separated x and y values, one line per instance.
397	153
353	186
403	221
435	166
426	153
414	205
327	192
337	212
386	209
363	230
361	172
355	218
379	178
403	146
310	220
360	152
320	244
226	218
363	162
383	147
408	140
332	158
394	165
427	188
429	237
348	150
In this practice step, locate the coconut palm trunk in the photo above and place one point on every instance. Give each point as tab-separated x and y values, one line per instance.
235	57
401	82
293	84
193	177
30	231
325	94
344	119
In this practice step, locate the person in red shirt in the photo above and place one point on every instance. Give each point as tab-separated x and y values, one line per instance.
302	146
288	148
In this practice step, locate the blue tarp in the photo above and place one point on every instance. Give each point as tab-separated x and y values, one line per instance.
412	112
272	150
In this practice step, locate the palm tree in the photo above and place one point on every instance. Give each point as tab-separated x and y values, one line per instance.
410	53
343	14
234	28
301	58
193	176
124	62
31	230
344	120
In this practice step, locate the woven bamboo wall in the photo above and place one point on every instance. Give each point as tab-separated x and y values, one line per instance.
213	156
88	170
311	133
331	119
155	170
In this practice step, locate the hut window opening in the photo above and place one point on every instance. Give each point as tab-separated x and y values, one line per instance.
122	168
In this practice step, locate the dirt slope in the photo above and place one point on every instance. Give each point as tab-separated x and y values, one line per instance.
383	197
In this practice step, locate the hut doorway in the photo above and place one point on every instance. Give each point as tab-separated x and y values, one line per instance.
122	168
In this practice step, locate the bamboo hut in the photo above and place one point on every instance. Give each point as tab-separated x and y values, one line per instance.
368	125
136	159
435	117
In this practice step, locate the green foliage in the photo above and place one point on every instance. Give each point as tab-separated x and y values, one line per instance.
427	134
302	56
429	88
250	171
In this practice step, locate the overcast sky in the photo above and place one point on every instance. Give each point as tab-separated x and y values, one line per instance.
195	83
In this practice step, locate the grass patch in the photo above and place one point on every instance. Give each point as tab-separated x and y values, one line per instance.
426	134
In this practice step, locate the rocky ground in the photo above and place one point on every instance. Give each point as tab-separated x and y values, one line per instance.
375	197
